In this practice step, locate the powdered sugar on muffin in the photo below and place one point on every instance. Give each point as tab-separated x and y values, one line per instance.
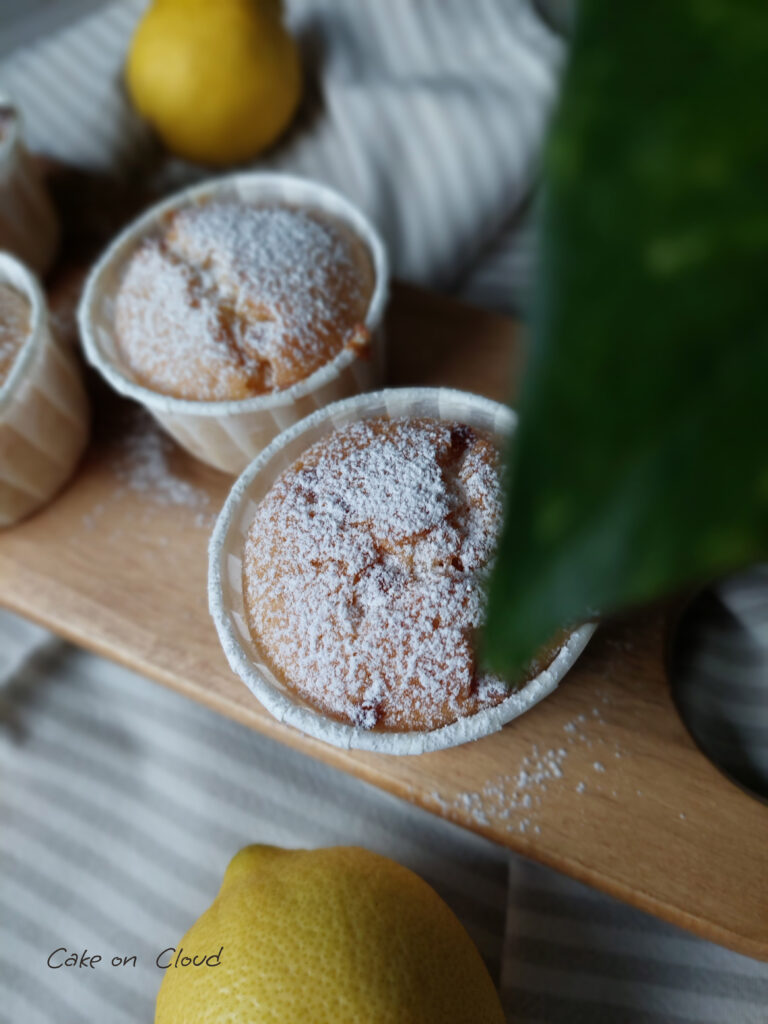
364	570
233	300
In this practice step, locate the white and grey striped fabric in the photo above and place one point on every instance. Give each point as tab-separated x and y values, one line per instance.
723	636
428	114
573	956
121	803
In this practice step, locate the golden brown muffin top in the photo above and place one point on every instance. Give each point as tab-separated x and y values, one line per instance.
233	300
15	325
364	569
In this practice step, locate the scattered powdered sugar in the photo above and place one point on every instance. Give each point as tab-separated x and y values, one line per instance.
143	464
235	300
515	800
364	570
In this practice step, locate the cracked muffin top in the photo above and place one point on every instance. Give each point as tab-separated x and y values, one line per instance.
232	300
364	571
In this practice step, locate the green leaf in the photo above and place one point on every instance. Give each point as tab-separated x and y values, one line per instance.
641	461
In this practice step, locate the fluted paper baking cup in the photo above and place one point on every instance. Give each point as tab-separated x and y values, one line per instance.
44	415
28	224
229	434
225	575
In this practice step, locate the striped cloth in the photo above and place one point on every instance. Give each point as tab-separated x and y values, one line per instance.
121	805
120	802
724	637
429	115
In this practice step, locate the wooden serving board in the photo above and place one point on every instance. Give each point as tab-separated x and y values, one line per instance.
600	781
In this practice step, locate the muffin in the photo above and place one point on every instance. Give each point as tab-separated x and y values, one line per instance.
457	495
15	327
364	570
231	300
43	406
236	308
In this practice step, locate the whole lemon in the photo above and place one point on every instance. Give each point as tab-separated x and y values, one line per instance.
219	80
333	936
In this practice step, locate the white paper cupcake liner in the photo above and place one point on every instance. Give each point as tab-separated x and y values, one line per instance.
229	434
28	224
225	576
44	416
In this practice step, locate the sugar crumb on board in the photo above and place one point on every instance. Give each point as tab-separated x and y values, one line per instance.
142	464
141	459
514	801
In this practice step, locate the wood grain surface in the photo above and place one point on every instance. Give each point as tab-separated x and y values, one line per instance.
600	781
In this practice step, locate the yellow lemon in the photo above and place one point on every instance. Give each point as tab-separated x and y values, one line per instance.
219	80
333	936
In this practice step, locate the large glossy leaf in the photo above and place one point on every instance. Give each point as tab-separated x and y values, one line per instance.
641	462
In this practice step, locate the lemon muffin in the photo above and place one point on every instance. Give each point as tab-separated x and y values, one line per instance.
364	571
233	300
43	406
15	327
